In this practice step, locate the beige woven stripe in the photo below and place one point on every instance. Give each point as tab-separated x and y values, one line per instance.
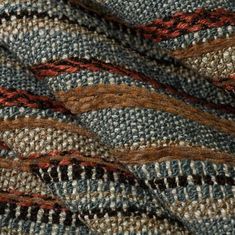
217	64
11	231
42	140
106	194
25	182
27	122
55	229
89	196
15	26
137	224
203	209
13	2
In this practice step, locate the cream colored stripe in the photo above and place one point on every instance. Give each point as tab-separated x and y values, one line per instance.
42	140
43	123
11	231
106	194
136	224
16	26
25	182
13	2
203	209
218	64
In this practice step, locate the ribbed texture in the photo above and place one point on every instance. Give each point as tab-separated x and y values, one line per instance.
117	117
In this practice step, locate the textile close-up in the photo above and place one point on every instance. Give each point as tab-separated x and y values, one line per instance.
117	117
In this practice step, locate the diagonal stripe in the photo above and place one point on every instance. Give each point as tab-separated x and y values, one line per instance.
86	99
73	65
149	155
13	97
181	23
44	123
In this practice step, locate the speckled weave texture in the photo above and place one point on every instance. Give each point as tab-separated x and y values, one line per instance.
200	33
117	117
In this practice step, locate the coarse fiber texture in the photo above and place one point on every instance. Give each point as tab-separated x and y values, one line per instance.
117	117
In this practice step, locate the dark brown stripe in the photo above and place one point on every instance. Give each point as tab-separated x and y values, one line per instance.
183	181
3	145
31	207
29	210
100	170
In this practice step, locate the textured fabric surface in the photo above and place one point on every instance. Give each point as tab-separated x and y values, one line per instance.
117	117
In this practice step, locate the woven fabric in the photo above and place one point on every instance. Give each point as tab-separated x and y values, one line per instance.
199	33
117	117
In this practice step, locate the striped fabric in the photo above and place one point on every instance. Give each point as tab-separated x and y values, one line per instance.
117	117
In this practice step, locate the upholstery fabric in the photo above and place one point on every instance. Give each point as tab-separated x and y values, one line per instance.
117	117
